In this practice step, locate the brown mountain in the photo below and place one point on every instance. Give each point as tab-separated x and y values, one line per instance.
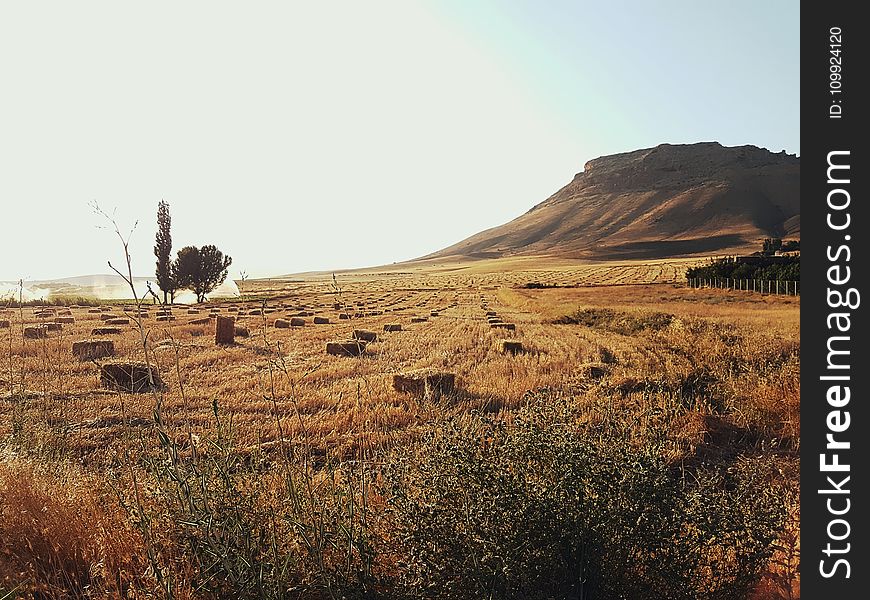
671	200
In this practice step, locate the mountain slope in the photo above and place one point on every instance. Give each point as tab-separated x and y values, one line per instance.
671	200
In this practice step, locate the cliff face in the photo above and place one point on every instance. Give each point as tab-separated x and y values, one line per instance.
671	200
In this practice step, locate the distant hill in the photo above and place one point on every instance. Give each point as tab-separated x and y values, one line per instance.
667	201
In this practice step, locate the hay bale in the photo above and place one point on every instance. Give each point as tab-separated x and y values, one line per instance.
256	312
433	313
346	348
321	320
241	331
118	321
233	309
164	318
593	370
201	321
106	316
425	383
36	332
66	319
490	313
224	330
419	319
365	335
134	377
53	326
282	323
344	316
508	326
510	347
94	311
297	322
105	330
93	349
192	311
5	324
393	327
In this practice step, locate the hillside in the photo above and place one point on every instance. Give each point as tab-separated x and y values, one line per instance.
671	200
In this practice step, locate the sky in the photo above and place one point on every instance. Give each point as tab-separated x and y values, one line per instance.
303	136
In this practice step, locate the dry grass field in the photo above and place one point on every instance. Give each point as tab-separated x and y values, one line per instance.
267	465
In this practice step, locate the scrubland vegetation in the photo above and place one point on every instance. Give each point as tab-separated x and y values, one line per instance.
643	444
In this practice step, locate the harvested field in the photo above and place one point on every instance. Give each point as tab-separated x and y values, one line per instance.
712	373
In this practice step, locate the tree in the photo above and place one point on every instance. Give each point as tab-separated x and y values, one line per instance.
771	245
162	250
201	269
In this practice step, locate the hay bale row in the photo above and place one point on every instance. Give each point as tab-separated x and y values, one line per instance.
134	377
93	349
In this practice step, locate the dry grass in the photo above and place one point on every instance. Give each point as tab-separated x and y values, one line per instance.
721	375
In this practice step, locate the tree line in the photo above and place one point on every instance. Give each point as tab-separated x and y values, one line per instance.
787	269
200	270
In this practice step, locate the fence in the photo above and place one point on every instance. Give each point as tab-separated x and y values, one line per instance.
762	286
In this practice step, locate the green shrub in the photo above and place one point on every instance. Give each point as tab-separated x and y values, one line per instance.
545	509
616	321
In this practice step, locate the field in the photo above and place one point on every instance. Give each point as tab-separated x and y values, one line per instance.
270	451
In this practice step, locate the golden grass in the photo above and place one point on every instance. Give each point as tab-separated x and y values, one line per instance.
725	371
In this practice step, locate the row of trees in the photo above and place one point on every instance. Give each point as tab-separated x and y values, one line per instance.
787	269
200	270
773	245
760	265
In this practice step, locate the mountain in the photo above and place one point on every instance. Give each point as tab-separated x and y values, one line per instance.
671	200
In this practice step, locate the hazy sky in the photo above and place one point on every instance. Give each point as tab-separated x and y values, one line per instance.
317	135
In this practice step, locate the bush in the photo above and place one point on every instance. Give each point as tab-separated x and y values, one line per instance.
544	509
617	322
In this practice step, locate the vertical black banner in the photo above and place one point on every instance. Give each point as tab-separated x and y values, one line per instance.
835	421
